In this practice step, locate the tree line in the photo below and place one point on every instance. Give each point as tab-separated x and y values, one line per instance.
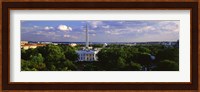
111	58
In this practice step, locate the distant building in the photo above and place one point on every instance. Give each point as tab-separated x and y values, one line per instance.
33	46
55	43
72	44
46	42
87	54
165	43
24	42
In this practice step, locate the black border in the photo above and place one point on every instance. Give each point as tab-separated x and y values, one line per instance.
99	5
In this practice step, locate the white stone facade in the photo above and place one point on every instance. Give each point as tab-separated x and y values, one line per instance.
87	55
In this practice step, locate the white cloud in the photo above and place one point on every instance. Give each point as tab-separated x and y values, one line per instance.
51	33
159	28
69	36
70	28
95	24
35	26
74	37
107	26
64	28
66	36
114	32
121	22
148	28
108	32
145	29
45	33
172	26
93	34
38	32
92	31
48	28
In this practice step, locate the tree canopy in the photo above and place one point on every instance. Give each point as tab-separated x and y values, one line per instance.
48	58
110	58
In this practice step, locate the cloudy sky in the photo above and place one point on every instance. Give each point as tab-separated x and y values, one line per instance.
100	31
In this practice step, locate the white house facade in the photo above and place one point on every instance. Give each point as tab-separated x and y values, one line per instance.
87	55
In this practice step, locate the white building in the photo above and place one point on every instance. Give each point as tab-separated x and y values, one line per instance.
72	44
87	54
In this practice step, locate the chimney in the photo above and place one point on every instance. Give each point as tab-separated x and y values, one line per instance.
87	38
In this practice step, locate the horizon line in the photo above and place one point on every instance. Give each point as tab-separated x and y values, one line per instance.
97	41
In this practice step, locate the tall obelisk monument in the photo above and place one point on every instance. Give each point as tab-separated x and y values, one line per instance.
87	38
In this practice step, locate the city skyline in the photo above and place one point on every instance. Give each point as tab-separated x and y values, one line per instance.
100	31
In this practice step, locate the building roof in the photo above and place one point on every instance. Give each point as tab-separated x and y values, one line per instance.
86	51
33	45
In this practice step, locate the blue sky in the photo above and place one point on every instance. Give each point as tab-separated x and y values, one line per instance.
100	31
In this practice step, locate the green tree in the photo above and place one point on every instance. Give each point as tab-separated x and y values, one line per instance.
50	58
70	65
133	67
26	54
34	64
54	53
90	67
112	58
143	49
25	65
97	45
168	54
38	62
37	58
167	65
53	56
155	49
70	52
120	63
144	60
23	54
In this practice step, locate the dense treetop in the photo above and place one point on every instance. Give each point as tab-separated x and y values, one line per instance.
110	58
